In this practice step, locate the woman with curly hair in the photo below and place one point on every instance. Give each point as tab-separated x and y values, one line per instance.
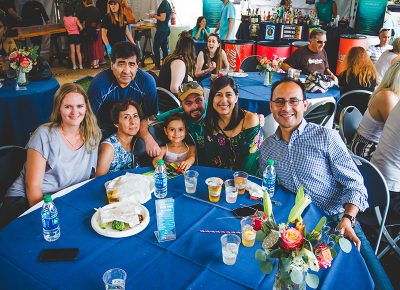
60	153
381	103
359	72
212	58
181	62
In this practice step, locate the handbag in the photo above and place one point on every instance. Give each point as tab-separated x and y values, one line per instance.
318	83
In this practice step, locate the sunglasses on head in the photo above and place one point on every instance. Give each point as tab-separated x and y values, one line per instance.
190	85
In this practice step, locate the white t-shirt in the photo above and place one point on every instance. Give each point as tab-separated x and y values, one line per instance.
64	166
383	63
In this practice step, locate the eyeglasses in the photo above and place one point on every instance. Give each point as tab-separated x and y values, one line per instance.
190	85
320	41
293	102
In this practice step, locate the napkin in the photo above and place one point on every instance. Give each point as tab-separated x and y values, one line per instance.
132	187
126	212
254	190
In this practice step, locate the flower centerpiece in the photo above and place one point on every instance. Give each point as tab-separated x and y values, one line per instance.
22	60
297	250
269	67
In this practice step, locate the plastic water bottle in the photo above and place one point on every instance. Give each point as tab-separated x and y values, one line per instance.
160	180
51	227
269	177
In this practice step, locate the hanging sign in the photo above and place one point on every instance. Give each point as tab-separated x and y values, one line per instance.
370	15
212	11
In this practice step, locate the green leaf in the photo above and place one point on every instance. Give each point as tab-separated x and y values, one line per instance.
266	266
333	253
260	236
312	280
267	204
345	245
299	194
275	253
296	277
320	224
260	255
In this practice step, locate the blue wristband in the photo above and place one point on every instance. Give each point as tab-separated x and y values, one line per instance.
108	47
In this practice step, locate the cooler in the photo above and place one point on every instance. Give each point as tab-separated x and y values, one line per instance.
237	51
297	44
346	42
272	48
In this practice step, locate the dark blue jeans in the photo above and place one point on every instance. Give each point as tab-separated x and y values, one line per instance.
160	41
374	266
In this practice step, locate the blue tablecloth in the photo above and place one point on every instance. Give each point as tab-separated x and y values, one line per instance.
21	112
192	261
255	97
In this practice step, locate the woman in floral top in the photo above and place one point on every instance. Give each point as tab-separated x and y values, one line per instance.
232	135
115	152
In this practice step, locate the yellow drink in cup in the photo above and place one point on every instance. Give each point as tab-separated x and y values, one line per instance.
214	188
248	233
240	178
112	196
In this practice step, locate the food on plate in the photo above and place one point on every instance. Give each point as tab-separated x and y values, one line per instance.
120	216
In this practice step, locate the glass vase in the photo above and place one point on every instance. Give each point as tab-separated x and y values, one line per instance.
284	282
268	78
22	77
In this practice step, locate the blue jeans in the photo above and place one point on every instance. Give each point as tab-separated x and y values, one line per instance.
160	41
374	266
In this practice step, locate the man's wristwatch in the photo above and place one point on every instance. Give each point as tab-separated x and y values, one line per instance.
351	218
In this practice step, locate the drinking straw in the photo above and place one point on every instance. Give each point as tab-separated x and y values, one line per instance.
219	232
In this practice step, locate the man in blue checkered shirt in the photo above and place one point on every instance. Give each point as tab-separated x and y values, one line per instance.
313	156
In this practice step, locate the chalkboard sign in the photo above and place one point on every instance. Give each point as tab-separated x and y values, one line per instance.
291	31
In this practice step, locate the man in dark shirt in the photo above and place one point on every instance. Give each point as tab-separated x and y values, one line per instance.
161	37
33	13
311	58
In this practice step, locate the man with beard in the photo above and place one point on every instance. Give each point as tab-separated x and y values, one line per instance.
194	108
124	80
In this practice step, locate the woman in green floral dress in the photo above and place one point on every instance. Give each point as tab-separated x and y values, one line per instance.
232	135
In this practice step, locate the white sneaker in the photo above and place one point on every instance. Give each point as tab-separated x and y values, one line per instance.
80	67
74	67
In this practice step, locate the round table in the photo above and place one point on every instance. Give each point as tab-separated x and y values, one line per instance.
255	97
21	112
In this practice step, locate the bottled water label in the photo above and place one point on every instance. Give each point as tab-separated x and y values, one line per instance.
160	180
50	223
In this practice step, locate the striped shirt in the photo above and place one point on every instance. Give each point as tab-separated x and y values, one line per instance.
375	51
317	159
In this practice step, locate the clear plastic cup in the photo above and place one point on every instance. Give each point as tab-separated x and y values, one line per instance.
112	192
230	248
240	178
191	180
248	233
231	192
214	188
114	279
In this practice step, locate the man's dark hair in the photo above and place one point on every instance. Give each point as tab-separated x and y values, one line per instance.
124	49
287	80
123	106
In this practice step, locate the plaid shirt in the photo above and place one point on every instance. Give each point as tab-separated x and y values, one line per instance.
317	159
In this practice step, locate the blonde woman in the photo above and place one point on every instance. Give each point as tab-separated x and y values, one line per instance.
382	101
60	153
114	25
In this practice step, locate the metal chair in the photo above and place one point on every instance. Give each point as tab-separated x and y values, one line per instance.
320	112
349	119
250	63
356	98
12	159
378	198
166	100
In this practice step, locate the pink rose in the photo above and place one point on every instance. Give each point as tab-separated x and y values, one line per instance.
291	238
324	256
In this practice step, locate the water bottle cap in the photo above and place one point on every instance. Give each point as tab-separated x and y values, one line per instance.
47	198
270	162
160	162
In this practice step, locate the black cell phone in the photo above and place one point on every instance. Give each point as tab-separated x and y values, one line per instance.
248	210
60	254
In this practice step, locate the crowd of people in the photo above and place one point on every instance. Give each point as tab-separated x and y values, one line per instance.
95	131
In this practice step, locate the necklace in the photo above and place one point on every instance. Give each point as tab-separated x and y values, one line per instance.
74	145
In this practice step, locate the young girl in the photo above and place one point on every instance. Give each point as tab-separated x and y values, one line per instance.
72	25
176	151
115	152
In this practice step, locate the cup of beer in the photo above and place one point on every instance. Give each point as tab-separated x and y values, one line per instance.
240	178
214	188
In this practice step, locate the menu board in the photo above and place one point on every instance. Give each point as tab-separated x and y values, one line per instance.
289	31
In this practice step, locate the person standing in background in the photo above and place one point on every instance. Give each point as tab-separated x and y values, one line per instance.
161	37
102	6
326	10
33	13
226	24
128	12
73	26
